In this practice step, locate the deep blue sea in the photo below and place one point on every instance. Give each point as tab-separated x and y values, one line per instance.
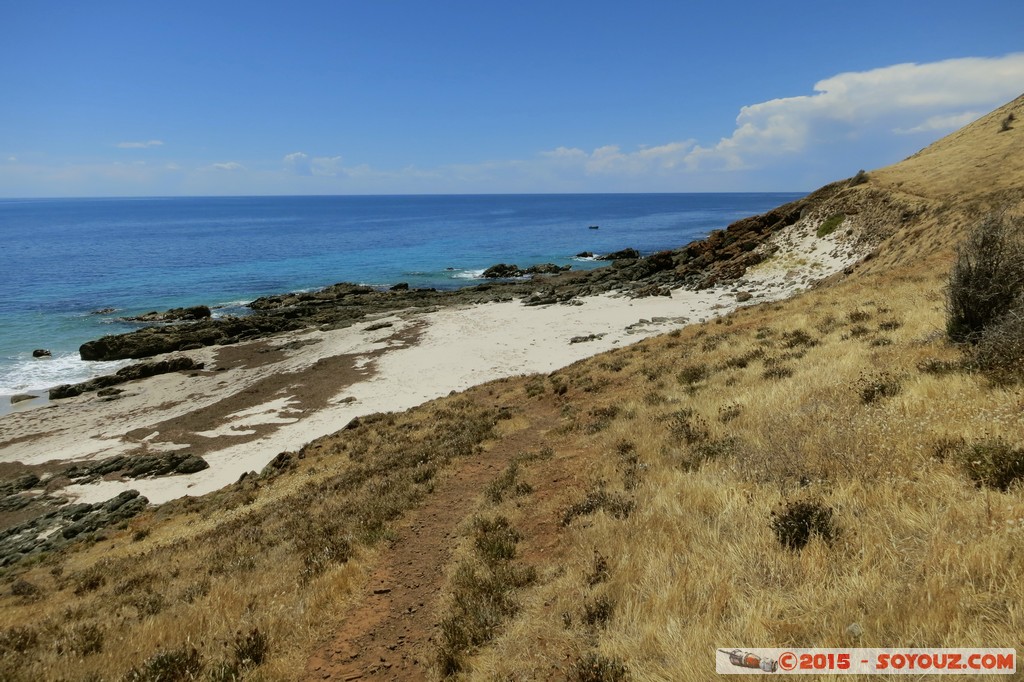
63	259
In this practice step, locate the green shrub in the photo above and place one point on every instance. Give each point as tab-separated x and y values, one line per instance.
831	224
987	278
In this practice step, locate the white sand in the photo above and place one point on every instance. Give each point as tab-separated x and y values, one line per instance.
458	348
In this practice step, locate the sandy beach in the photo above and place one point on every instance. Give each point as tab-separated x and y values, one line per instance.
254	400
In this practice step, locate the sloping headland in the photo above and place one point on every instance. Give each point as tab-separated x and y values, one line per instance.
760	439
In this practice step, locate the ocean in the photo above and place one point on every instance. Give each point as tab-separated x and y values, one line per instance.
64	261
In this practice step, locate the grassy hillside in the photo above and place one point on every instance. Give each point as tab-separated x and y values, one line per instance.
807	473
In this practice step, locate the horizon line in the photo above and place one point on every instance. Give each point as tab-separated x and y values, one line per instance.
380	195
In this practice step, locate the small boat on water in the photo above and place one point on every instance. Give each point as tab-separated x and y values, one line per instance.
595	227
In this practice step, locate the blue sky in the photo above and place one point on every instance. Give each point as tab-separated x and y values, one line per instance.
390	97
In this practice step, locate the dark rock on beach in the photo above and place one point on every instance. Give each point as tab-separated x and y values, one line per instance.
137	466
41	353
21	397
139	370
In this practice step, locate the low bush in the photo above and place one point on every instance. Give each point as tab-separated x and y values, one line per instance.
987	278
250	649
618	506
992	463
999	352
482	593
798	521
18	639
599	571
831	224
798	337
692	374
507	483
873	388
593	667
598	612
169	666
775	371
688	427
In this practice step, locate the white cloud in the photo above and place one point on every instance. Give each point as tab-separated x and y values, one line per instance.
12	159
942	123
327	165
228	166
301	163
298	163
904	97
140	145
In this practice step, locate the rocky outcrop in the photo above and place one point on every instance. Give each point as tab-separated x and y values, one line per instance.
131	372
41	353
199	312
506	271
624	254
58	527
138	466
502	271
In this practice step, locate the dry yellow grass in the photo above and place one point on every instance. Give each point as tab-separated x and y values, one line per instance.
650	525
922	557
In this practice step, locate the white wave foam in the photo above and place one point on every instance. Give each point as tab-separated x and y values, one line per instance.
39	374
467	274
232	304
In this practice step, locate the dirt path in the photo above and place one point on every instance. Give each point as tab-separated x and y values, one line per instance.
389	632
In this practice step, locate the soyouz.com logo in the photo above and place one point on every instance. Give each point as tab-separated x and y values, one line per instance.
744	661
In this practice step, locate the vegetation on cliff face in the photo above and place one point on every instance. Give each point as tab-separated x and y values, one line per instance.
823	471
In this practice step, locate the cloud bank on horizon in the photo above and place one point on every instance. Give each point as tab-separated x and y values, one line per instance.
862	108
850	120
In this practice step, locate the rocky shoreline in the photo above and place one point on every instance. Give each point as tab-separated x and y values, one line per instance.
705	269
723	256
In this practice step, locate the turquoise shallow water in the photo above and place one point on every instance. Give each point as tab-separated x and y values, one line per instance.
63	259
